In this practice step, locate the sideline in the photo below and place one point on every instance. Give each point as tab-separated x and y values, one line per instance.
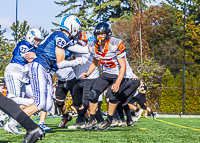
178	125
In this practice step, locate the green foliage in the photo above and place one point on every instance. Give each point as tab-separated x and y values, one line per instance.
91	11
191	7
172	99
5	53
151	72
22	30
104	105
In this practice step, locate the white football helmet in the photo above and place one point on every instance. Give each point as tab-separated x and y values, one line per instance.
71	24
32	34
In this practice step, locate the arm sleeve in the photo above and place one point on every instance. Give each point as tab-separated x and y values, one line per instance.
65	64
78	49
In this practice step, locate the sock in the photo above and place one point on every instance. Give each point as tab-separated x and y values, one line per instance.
92	116
98	116
81	114
66	115
110	118
115	115
133	113
42	122
86	120
120	111
26	122
137	109
128	113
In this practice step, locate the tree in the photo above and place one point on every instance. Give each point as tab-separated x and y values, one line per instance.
121	29
192	9
22	30
5	52
91	11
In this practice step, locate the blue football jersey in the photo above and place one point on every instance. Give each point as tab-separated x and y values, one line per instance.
21	49
45	52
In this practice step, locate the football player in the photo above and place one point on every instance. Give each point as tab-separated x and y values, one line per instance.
15	73
50	55
110	53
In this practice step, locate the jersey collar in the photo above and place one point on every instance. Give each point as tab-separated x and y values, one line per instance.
105	50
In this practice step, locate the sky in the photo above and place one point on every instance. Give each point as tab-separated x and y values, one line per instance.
37	13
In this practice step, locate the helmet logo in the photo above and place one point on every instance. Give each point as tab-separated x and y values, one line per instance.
33	33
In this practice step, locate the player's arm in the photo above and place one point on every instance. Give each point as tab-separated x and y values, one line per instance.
91	68
79	49
72	63
122	63
30	56
60	54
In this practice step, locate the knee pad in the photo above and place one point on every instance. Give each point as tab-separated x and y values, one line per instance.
60	104
112	96
113	101
93	96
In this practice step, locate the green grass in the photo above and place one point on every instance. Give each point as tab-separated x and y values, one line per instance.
146	130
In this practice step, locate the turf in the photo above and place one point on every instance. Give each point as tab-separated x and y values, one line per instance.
164	130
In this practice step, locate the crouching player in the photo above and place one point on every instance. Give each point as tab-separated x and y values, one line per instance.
110	53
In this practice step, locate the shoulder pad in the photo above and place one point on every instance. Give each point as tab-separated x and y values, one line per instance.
114	42
91	47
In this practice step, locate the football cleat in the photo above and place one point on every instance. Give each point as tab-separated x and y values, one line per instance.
105	125
91	124
154	115
115	123
34	135
122	123
80	125
130	123
64	121
13	129
135	119
44	127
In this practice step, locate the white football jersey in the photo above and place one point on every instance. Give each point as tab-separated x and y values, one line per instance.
87	60
108	57
65	74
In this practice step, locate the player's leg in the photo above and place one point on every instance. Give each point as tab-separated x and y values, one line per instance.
99	86
13	110
38	77
77	96
61	92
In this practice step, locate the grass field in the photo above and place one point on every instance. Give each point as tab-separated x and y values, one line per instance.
176	130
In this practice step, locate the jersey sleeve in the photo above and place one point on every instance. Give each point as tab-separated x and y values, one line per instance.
120	50
61	42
